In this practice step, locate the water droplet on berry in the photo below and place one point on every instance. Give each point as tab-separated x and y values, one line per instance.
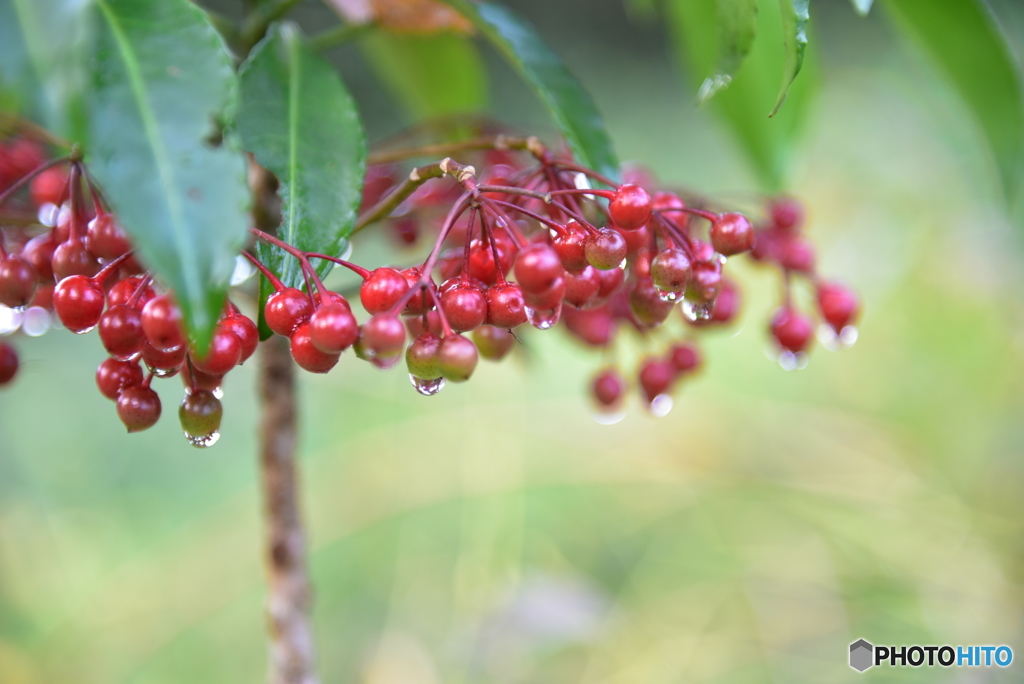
163	372
35	321
661	405
243	271
10	320
48	214
202	441
849	335
789	361
543	319
427	388
83	331
608	417
666	296
386	362
697	311
218	392
833	341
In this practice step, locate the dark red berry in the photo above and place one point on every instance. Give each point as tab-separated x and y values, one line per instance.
163	363
18	280
8	363
608	388
635	239
457	358
422	358
493	343
107	240
78	301
124	289
786	213
705	282
647	305
481	260
162	323
333	328
382	289
569	245
72	258
792	330
630	208
39	252
594	327
656	376
838	304
548	299
383	336
684	357
611	281
246	331
115	375
416	326
797	255
307	356
121	331
286	309
670	270
731	234
138	408
537	268
605	249
506	307
200	413
464	305
223	354
581	288
727	303
421	301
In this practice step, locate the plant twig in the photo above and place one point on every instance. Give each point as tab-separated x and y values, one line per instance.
530	144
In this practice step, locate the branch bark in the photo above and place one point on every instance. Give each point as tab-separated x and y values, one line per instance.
289	593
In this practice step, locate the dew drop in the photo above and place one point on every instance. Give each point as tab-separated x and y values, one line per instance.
837	342
84	331
427	388
35	321
697	311
789	361
849	335
661	405
608	417
202	441
10	320
48	214
666	296
218	392
163	372
543	319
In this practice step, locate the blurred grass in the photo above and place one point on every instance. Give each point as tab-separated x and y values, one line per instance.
495	533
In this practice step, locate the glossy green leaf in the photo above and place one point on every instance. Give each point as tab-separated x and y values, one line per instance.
965	43
737	27
160	76
431	76
862	6
565	98
795	15
743	107
299	121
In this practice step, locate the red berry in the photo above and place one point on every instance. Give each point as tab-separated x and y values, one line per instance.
333	328
705	283
107	240
611	281
195	379
421	301
24	156
608	388
18	280
416	327
656	376
581	288
39	252
8	363
223	354
630	208
138	408
163	363
246	331
792	330
422	358
727	303
382	289
569	245
786	213
457	357
162	323
286	309
114	375
481	259
731	234
200	414
647	305
605	249
121	331
537	268
548	299
464	305
797	255
839	305
49	187
493	343
594	327
506	307
72	258
79	301
670	270
684	357
383	336
307	355
124	289
635	239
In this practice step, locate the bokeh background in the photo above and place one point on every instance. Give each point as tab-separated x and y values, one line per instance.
497	533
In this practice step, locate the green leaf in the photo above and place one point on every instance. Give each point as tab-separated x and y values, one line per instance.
737	27
965	43
299	121
160	76
566	100
862	6
433	75
795	16
744	105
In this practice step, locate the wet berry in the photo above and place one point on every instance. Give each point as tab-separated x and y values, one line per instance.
138	408
569	245
306	354
333	328
538	268
656	376
72	258
18	280
78	301
382	289
493	343
121	331
114	375
383	336
107	240
464	305
200	413
286	309
630	208
684	357
608	388
457	358
8	363
605	249
162	323
422	358
670	270
731	234
223	354
838	304
647	304
792	330
506	307
244	328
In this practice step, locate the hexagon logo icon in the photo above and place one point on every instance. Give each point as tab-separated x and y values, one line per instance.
860	655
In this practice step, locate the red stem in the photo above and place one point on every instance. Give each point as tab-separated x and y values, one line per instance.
358	270
274	280
21	182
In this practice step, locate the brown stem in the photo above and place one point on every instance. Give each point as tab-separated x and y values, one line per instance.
289	594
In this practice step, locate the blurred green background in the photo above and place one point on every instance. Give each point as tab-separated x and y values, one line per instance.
496	533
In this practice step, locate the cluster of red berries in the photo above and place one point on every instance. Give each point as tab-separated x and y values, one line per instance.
537	243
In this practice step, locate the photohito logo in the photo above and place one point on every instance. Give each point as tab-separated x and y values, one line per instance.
864	655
